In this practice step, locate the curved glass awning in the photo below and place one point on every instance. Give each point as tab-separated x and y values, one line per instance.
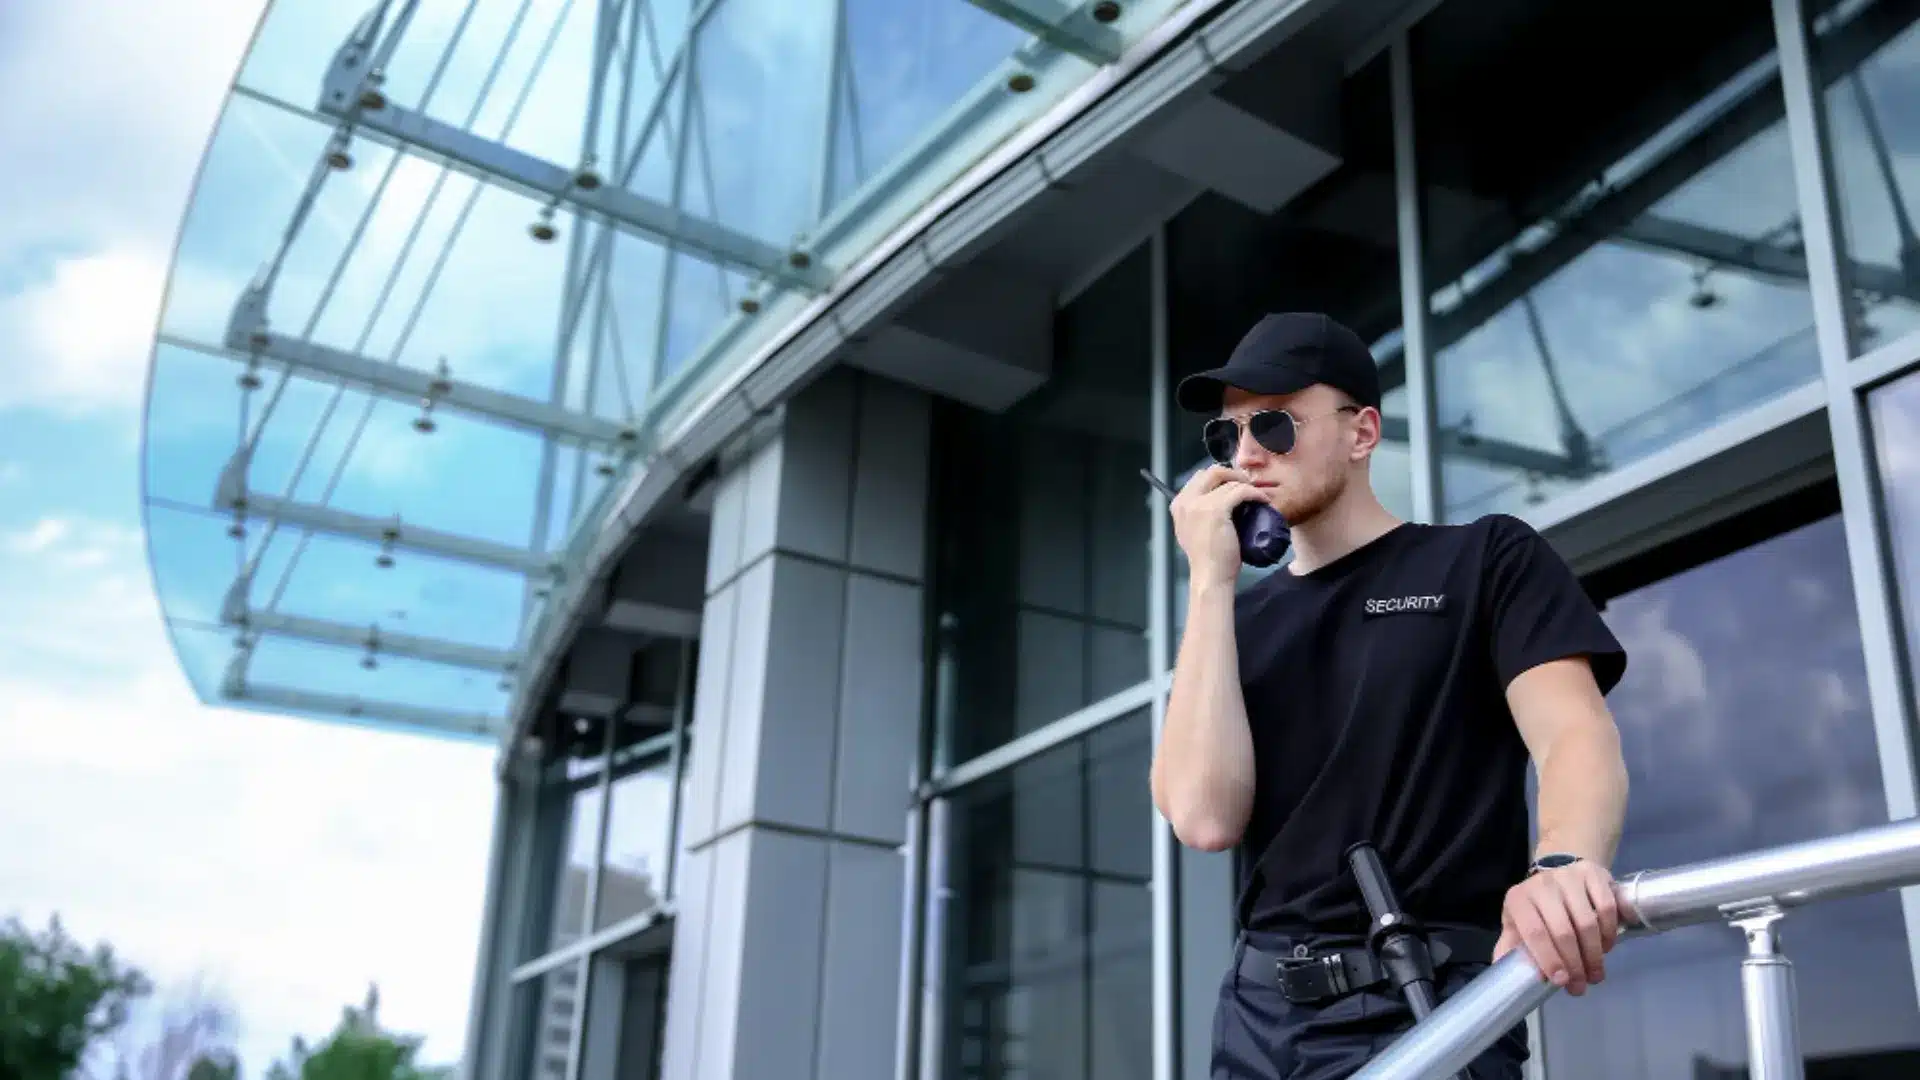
450	265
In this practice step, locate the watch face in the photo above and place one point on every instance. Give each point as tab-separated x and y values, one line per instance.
1554	862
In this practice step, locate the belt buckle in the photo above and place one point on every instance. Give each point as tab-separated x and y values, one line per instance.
1336	969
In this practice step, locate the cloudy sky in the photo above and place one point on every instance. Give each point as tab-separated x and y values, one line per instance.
286	863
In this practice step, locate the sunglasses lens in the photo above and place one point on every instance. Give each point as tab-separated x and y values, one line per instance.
1272	430
1222	437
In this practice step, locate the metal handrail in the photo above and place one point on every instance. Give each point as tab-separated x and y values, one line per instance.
1751	892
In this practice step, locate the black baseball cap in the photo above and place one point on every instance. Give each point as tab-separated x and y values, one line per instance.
1285	353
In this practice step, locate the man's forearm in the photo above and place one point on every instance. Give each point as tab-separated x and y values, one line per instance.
1203	768
1583	795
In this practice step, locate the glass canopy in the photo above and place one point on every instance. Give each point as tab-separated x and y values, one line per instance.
450	264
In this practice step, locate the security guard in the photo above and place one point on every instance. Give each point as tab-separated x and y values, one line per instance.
1388	686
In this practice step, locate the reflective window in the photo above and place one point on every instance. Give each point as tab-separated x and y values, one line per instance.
643	1008
543	1017
632	879
1613	251
762	68
907	63
1746	725
1049	923
565	841
1042	523
1894	411
1868	56
1334	248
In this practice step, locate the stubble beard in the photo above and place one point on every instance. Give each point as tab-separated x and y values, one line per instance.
1304	498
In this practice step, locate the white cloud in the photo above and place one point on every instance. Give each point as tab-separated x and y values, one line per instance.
80	336
290	862
112	153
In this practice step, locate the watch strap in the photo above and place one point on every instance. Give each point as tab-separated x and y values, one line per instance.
1552	861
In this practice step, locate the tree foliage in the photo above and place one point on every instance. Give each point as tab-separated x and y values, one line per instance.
57	999
358	1049
64	1013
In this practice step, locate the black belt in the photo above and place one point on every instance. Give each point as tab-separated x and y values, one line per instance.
1312	976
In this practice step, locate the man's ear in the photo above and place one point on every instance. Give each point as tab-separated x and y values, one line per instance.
1367	432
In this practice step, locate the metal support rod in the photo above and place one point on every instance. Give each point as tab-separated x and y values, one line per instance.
934	953
1652	902
1067	27
375	641
249	341
1422	421
676	762
349	97
479	725
389	534
1766	985
1167	1027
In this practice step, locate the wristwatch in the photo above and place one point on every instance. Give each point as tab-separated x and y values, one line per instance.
1551	862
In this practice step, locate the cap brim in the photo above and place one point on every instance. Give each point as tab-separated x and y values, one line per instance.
1203	391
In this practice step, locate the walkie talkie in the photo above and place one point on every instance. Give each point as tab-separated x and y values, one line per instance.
1264	535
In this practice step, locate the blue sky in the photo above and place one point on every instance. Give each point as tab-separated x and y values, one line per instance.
281	863
285	863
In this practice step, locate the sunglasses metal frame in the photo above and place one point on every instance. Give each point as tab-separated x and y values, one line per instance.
1243	424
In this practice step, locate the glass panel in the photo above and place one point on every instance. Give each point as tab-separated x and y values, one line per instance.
203	652
567	835
630	334
1894	411
194	560
907	63
643	1010
419	594
1049	916
309	667
657	118
1614	254
295	46
1042	520
1335	248
668	22
250	181
1745	719
700	293
632	877
1867	55
762	81
544	1011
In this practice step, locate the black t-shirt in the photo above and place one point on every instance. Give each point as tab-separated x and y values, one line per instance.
1375	688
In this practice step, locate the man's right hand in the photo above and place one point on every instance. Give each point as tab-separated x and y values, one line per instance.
1203	523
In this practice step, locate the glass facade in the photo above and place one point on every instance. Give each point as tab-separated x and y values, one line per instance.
1334	248
1041	531
1745	722
1613	256
1895	412
1866	56
1595	283
449	312
1049	942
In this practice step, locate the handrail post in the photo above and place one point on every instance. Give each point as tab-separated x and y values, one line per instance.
1766	983
1749	890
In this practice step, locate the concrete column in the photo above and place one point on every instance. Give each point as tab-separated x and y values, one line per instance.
786	955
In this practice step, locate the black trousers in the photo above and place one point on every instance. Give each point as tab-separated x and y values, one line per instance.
1259	1035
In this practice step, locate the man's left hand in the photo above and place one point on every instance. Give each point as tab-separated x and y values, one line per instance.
1568	920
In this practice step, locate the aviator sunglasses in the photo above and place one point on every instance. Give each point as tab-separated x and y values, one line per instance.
1276	430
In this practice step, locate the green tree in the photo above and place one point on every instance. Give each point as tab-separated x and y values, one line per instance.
218	1066
358	1049
57	999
